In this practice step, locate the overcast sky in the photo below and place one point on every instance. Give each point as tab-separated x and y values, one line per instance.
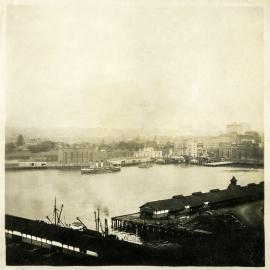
157	66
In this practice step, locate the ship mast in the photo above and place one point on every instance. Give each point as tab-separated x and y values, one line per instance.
98	220
55	211
59	216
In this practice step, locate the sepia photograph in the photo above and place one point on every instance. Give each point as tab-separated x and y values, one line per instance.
134	133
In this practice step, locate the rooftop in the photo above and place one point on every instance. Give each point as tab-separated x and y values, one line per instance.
198	199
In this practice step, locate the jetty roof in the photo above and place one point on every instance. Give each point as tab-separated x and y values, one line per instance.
198	199
168	204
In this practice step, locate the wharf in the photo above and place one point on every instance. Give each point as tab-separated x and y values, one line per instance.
235	163
65	166
172	227
217	164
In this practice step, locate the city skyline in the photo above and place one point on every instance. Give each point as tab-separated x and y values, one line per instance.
126	67
80	135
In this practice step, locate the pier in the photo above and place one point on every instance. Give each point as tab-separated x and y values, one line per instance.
219	164
175	216
168	228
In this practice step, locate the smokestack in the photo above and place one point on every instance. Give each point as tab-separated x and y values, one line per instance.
96	163
101	163
106	227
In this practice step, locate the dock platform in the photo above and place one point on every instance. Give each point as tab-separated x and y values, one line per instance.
166	227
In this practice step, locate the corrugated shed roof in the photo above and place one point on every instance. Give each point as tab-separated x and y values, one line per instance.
178	202
169	204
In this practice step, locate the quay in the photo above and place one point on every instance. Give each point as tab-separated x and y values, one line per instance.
128	161
235	163
220	163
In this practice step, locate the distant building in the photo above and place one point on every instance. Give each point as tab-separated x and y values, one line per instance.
190	148
249	136
237	151
180	149
200	149
148	152
84	155
239	128
79	156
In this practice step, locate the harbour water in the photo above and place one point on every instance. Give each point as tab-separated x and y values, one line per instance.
31	194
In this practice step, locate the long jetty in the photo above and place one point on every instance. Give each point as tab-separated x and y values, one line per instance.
161	227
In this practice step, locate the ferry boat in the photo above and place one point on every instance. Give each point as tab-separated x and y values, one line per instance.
160	161
145	165
105	169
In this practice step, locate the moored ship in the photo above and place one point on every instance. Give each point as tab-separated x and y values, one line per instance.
97	170
145	165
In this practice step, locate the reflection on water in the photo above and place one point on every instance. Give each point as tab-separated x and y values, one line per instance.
31	194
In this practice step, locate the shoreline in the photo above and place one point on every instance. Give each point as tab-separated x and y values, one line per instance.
78	167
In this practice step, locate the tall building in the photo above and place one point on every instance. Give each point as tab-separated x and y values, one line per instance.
180	148
191	148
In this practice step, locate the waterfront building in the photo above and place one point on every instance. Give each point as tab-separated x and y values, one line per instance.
180	148
85	155
212	143
188	147
237	151
180	205
192	149
148	152
200	149
79	156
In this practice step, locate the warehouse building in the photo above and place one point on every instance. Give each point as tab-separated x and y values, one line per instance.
198	201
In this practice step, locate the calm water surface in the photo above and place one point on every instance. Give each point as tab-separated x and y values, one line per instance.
31	194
